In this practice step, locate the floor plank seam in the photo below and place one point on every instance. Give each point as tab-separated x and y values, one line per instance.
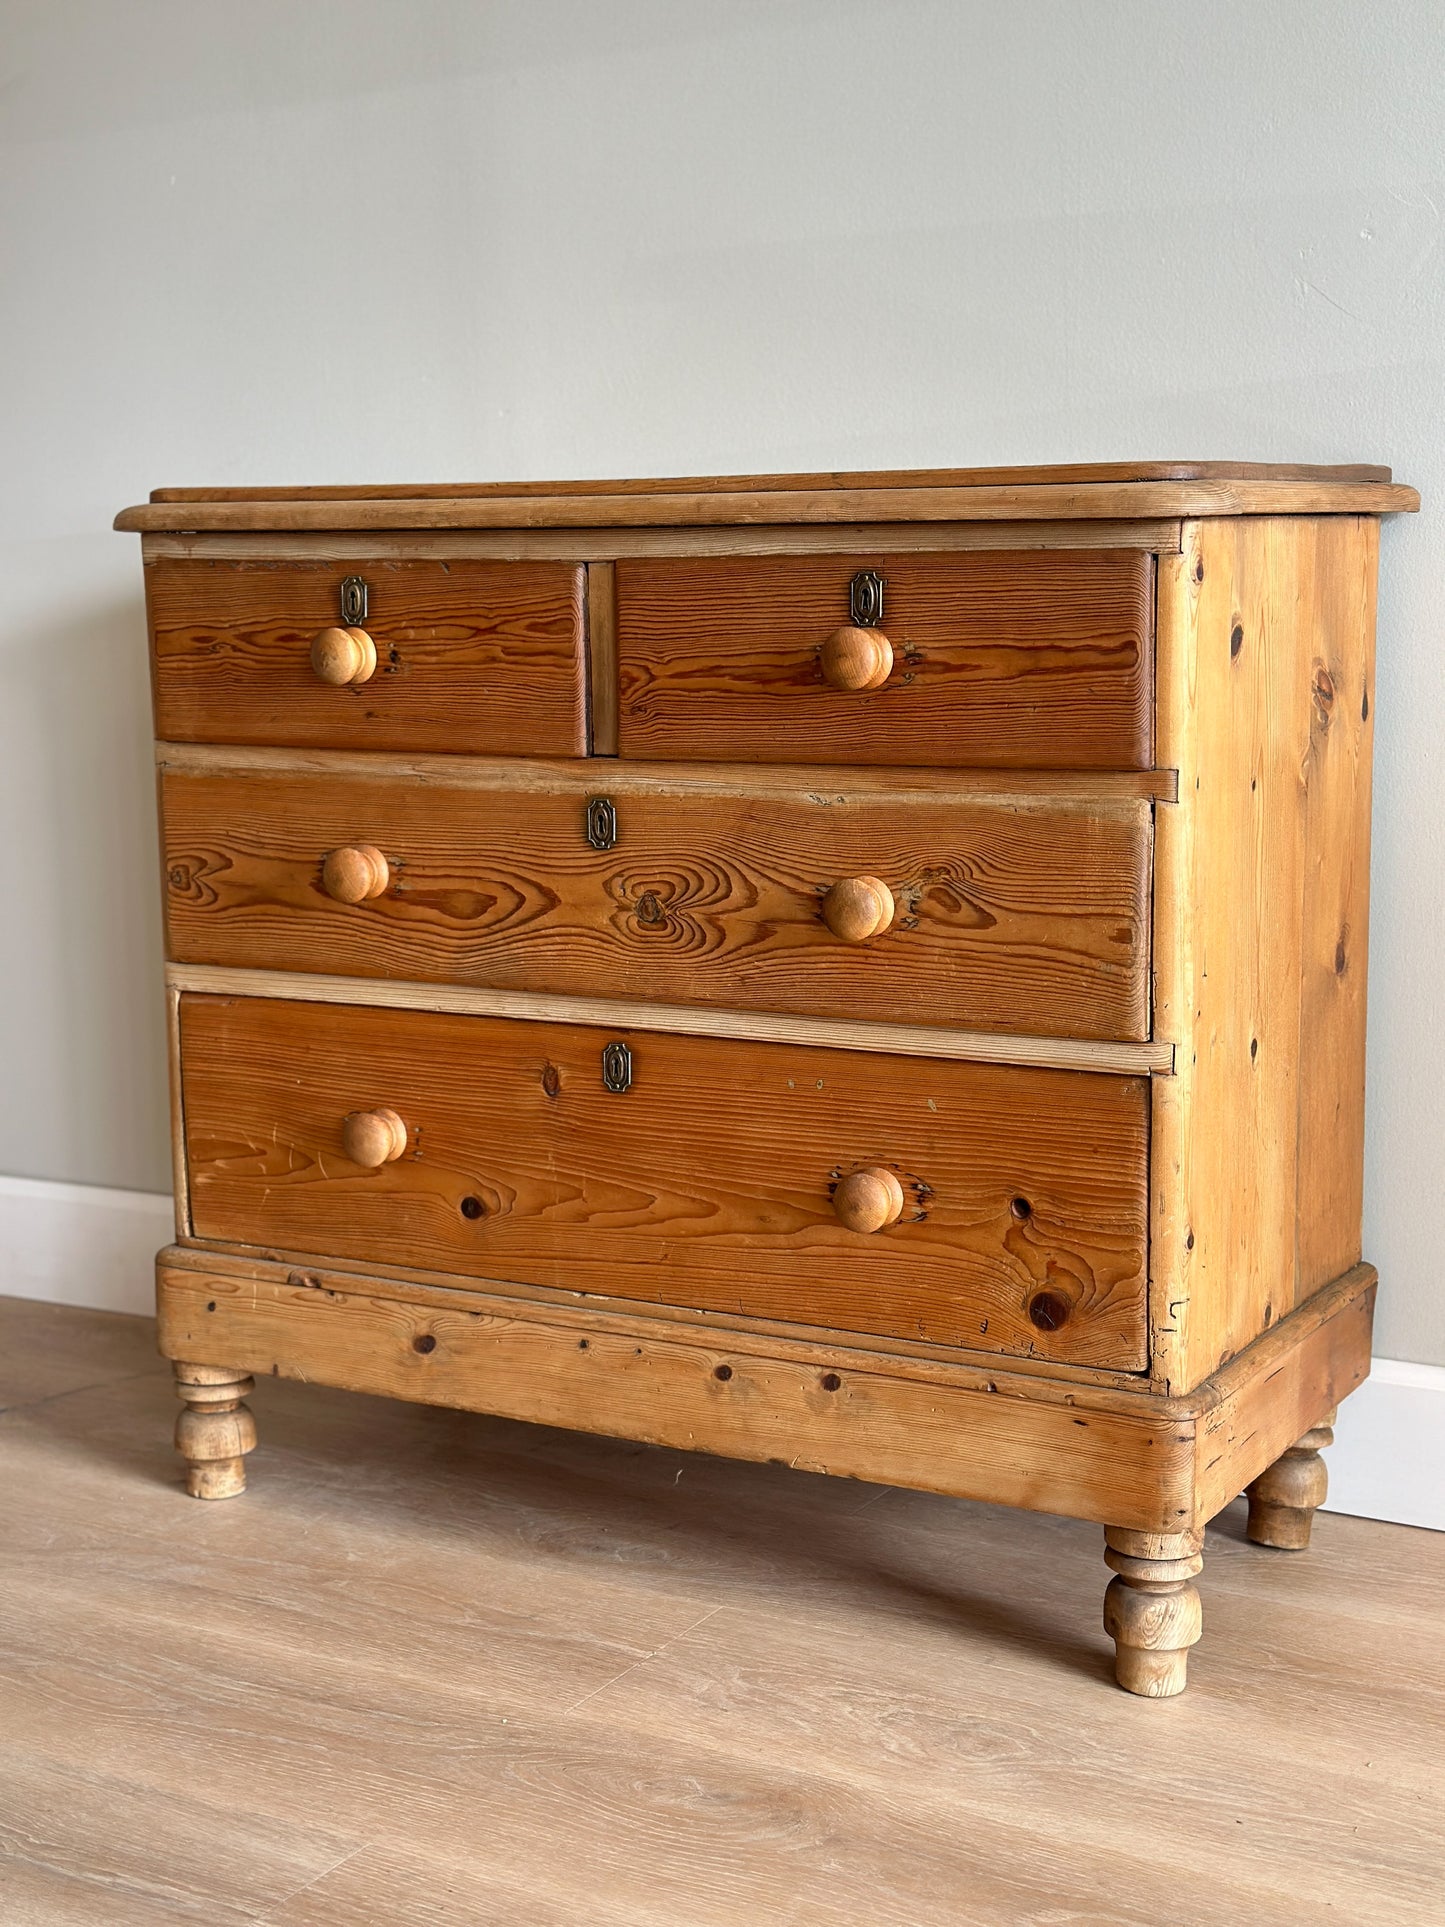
646	1660
306	1886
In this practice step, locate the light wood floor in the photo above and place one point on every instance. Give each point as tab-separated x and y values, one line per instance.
438	1670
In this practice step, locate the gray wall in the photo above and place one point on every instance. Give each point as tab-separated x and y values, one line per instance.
431	239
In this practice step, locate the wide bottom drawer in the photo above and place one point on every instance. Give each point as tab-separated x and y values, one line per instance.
1010	1204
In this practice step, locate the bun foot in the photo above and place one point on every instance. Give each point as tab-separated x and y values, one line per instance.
215	1431
1282	1500
1151	1610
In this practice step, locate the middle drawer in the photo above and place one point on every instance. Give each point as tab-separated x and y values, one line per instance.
885	902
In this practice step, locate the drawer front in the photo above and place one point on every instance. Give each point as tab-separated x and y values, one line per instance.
1038	659
493	1149
485	657
1024	917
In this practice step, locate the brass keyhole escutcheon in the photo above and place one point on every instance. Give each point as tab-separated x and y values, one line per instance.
354	598
616	1067
865	599
601	822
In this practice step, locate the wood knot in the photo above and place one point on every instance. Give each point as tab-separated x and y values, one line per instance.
649	910
1323	691
423	1342
1048	1310
551	1079
1340	958
1236	639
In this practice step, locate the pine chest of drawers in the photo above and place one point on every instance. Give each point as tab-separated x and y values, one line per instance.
866	971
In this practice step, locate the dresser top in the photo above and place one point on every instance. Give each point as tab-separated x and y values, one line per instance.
1107	490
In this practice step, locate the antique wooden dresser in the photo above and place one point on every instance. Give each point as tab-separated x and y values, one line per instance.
861	971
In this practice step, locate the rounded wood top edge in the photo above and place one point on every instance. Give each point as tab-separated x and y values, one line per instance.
1025	475
1035	500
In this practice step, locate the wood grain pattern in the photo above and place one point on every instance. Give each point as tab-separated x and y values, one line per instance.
1335	904
1034	660
1027	918
703	1396
1058	472
687	1020
1259	890
1157	535
474	655
602	657
1181	1460
764	782
1277	1388
708	1183
1015	501
581	1313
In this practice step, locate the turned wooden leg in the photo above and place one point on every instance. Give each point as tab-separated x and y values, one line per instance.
1283	1498
1151	1610
215	1431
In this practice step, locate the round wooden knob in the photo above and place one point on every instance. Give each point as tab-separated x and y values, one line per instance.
857	659
869	1200
858	908
343	657
373	1138
354	873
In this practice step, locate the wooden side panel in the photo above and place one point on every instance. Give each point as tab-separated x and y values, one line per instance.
1335	921
1263	1412
1025	917
1001	659
1258	867
707	1183
473	656
844	1413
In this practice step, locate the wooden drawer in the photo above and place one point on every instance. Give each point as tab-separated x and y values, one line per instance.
708	1183
1020	659
1026	915
484	657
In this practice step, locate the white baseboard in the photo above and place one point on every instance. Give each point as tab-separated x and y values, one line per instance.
75	1244
1389	1450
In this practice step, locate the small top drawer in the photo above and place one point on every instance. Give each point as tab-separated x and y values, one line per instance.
1037	659
467	656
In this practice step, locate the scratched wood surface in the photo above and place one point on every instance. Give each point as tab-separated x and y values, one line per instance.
1035	660
900	1423
935	1421
707	1183
461	1672
477	656
1026	917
